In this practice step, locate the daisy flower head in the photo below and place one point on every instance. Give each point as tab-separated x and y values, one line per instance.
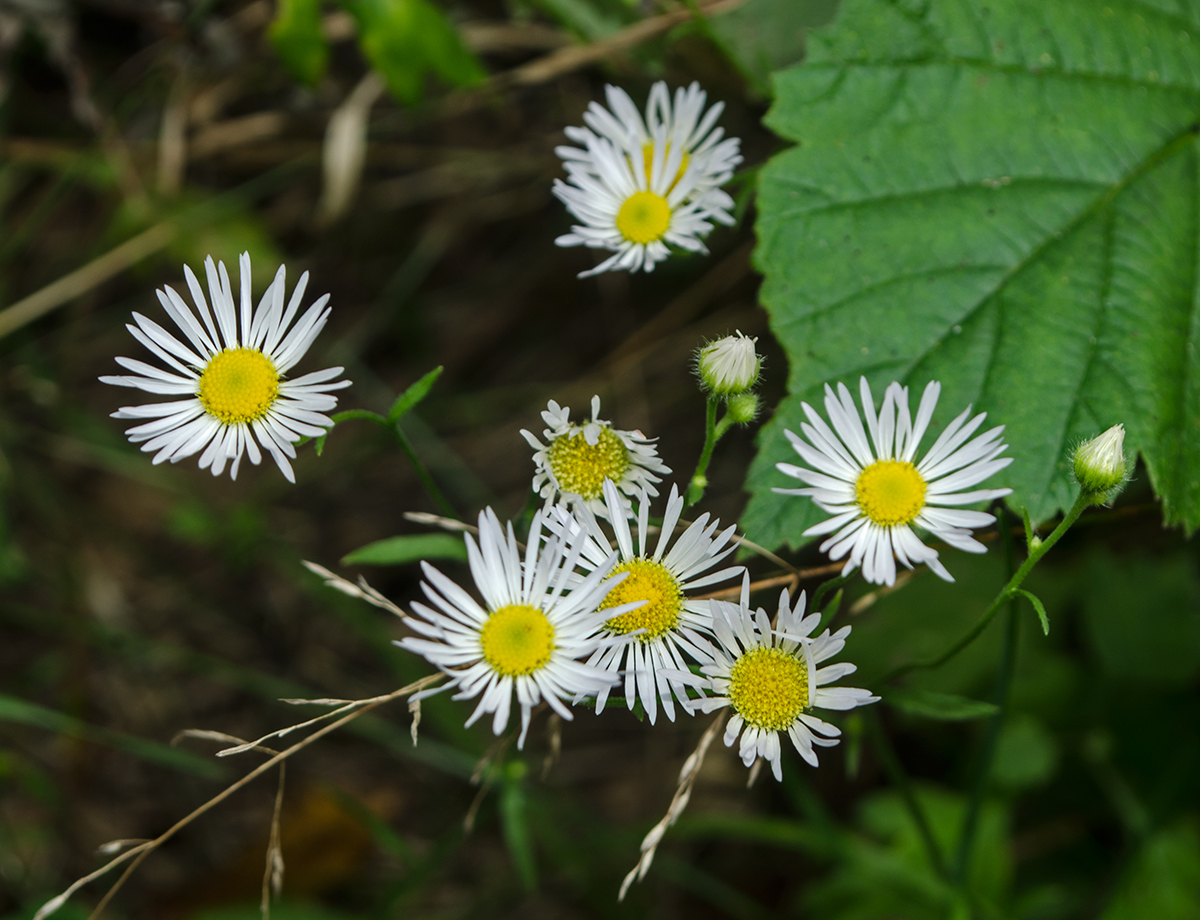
651	603
640	185
577	459
876	490
770	679
228	371
526	637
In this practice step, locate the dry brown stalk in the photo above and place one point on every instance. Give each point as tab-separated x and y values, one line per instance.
135	855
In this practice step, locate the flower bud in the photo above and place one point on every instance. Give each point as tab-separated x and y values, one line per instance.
742	408
1100	465
728	366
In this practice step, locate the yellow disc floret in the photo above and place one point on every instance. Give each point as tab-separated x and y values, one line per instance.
239	385
648	162
890	492
651	582
581	468
768	687
517	639
644	217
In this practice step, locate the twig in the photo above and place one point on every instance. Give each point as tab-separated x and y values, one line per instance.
687	779
362	590
140	852
82	280
272	884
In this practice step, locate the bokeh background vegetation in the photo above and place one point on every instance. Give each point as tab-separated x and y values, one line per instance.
402	151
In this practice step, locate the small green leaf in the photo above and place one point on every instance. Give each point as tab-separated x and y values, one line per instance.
409	548
946	707
1037	606
296	34
405	39
515	822
408	400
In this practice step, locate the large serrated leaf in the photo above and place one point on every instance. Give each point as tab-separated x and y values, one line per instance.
1003	195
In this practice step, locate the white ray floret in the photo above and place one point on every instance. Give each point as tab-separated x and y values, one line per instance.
536	620
577	459
771	681
876	490
639	186
228	372
664	622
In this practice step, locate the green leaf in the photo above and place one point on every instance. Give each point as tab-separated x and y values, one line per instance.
1038	607
405	39
946	707
1001	195
296	34
515	822
1164	880
591	19
13	709
408	400
762	36
405	549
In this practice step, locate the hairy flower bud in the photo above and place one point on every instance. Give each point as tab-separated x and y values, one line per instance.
728	366
1100	465
742	408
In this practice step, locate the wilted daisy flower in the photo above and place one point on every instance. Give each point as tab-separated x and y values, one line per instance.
638	185
653	596
770	679
578	458
875	491
230	378
535	622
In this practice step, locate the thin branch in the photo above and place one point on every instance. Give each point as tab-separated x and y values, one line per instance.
140	852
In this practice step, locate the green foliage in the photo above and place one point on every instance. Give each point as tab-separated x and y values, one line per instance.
1164	880
886	873
1143	617
405	39
590	19
1001	196
1039	608
23	712
1026	754
514	819
296	35
409	399
409	548
946	707
763	36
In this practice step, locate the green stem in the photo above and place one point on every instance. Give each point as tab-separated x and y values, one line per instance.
1009	591
431	487
1008	661
891	763
712	433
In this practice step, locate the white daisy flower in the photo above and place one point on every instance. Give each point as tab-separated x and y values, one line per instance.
578	459
233	392
876	492
684	126
535	622
651	602
638	185
770	679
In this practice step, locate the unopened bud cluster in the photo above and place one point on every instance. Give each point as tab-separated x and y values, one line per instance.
1100	465
729	366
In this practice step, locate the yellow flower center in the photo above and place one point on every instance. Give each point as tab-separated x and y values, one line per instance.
239	385
651	582
581	468
517	639
769	688
648	162
890	492
644	217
